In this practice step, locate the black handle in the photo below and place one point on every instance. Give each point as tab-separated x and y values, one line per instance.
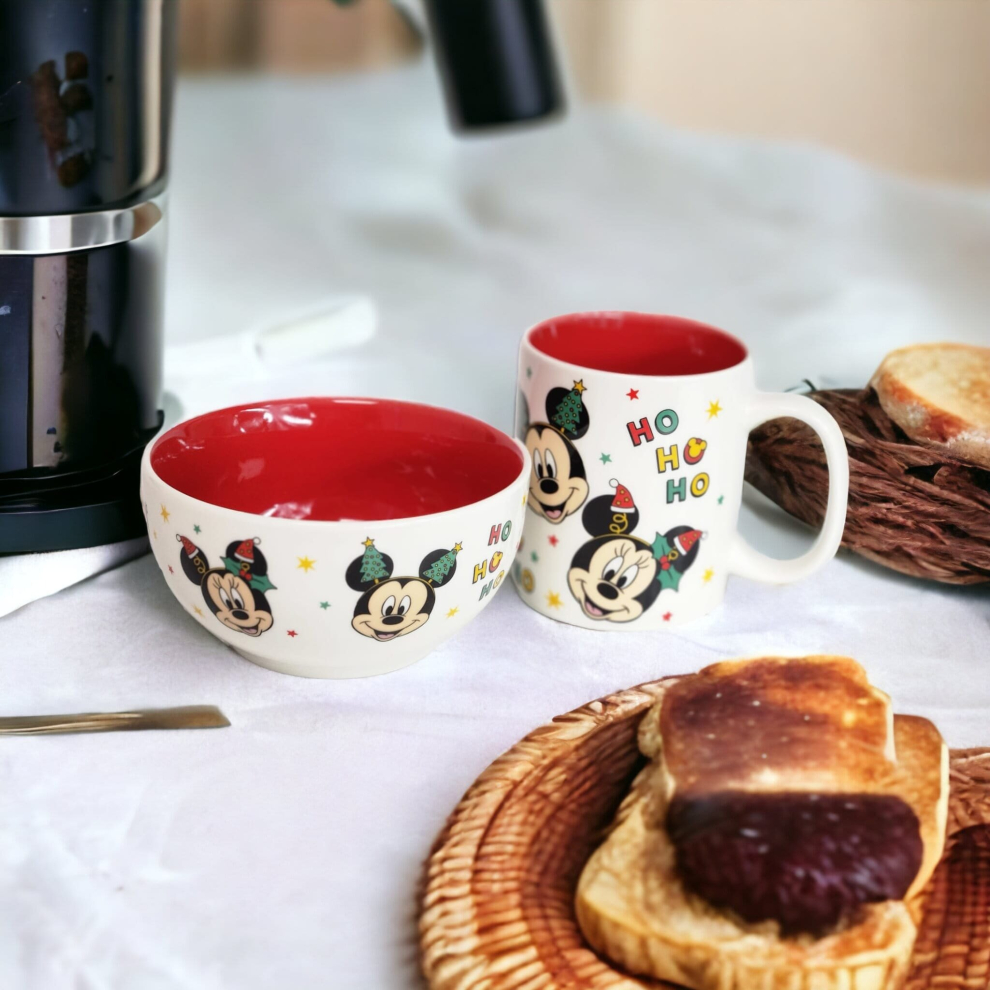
496	61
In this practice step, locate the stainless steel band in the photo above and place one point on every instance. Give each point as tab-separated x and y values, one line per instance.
63	233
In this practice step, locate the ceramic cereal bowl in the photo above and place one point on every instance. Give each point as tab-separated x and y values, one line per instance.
334	537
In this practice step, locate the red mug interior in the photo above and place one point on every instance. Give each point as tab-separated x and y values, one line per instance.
334	459
637	343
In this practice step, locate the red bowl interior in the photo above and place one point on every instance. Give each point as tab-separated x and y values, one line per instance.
637	343
332	459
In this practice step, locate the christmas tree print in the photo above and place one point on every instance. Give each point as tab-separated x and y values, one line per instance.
372	566
439	569
568	414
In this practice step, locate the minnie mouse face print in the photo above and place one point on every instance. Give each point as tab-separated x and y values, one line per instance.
615	576
237	592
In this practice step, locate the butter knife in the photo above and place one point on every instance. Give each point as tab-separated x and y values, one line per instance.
188	717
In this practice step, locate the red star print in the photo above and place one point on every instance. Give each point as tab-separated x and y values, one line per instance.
633	393
292	633
553	540
170	569
666	616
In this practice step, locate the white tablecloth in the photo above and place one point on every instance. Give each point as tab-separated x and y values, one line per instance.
284	851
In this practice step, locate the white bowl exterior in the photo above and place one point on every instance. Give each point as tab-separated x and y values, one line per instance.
311	603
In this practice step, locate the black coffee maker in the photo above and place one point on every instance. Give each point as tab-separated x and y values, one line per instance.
85	105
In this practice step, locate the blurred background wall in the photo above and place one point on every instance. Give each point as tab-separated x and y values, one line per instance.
904	84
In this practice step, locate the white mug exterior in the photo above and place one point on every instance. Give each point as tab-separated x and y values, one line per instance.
674	447
312	607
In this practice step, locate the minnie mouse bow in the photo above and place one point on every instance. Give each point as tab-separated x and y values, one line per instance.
259	582
666	574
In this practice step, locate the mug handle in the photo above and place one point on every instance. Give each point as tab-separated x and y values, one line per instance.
750	563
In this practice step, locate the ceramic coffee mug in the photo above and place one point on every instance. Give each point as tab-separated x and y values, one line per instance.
636	430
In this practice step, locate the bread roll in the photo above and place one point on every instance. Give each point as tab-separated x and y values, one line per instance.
939	395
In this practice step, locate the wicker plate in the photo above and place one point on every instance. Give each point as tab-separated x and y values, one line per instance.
497	907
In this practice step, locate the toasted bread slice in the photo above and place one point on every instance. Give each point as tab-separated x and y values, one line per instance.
922	781
633	909
917	773
939	395
771	724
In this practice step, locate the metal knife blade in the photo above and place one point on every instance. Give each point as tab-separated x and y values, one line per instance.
188	717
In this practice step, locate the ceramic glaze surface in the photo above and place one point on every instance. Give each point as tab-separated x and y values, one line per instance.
636	429
336	459
637	343
333	537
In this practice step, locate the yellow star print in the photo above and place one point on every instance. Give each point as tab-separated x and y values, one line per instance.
198	611
713	409
708	575
580	387
553	599
452	612
525	497
369	542
305	563
165	513
458	548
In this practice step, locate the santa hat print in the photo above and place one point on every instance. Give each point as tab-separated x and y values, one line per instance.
188	546
685	541
622	501
192	560
245	551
